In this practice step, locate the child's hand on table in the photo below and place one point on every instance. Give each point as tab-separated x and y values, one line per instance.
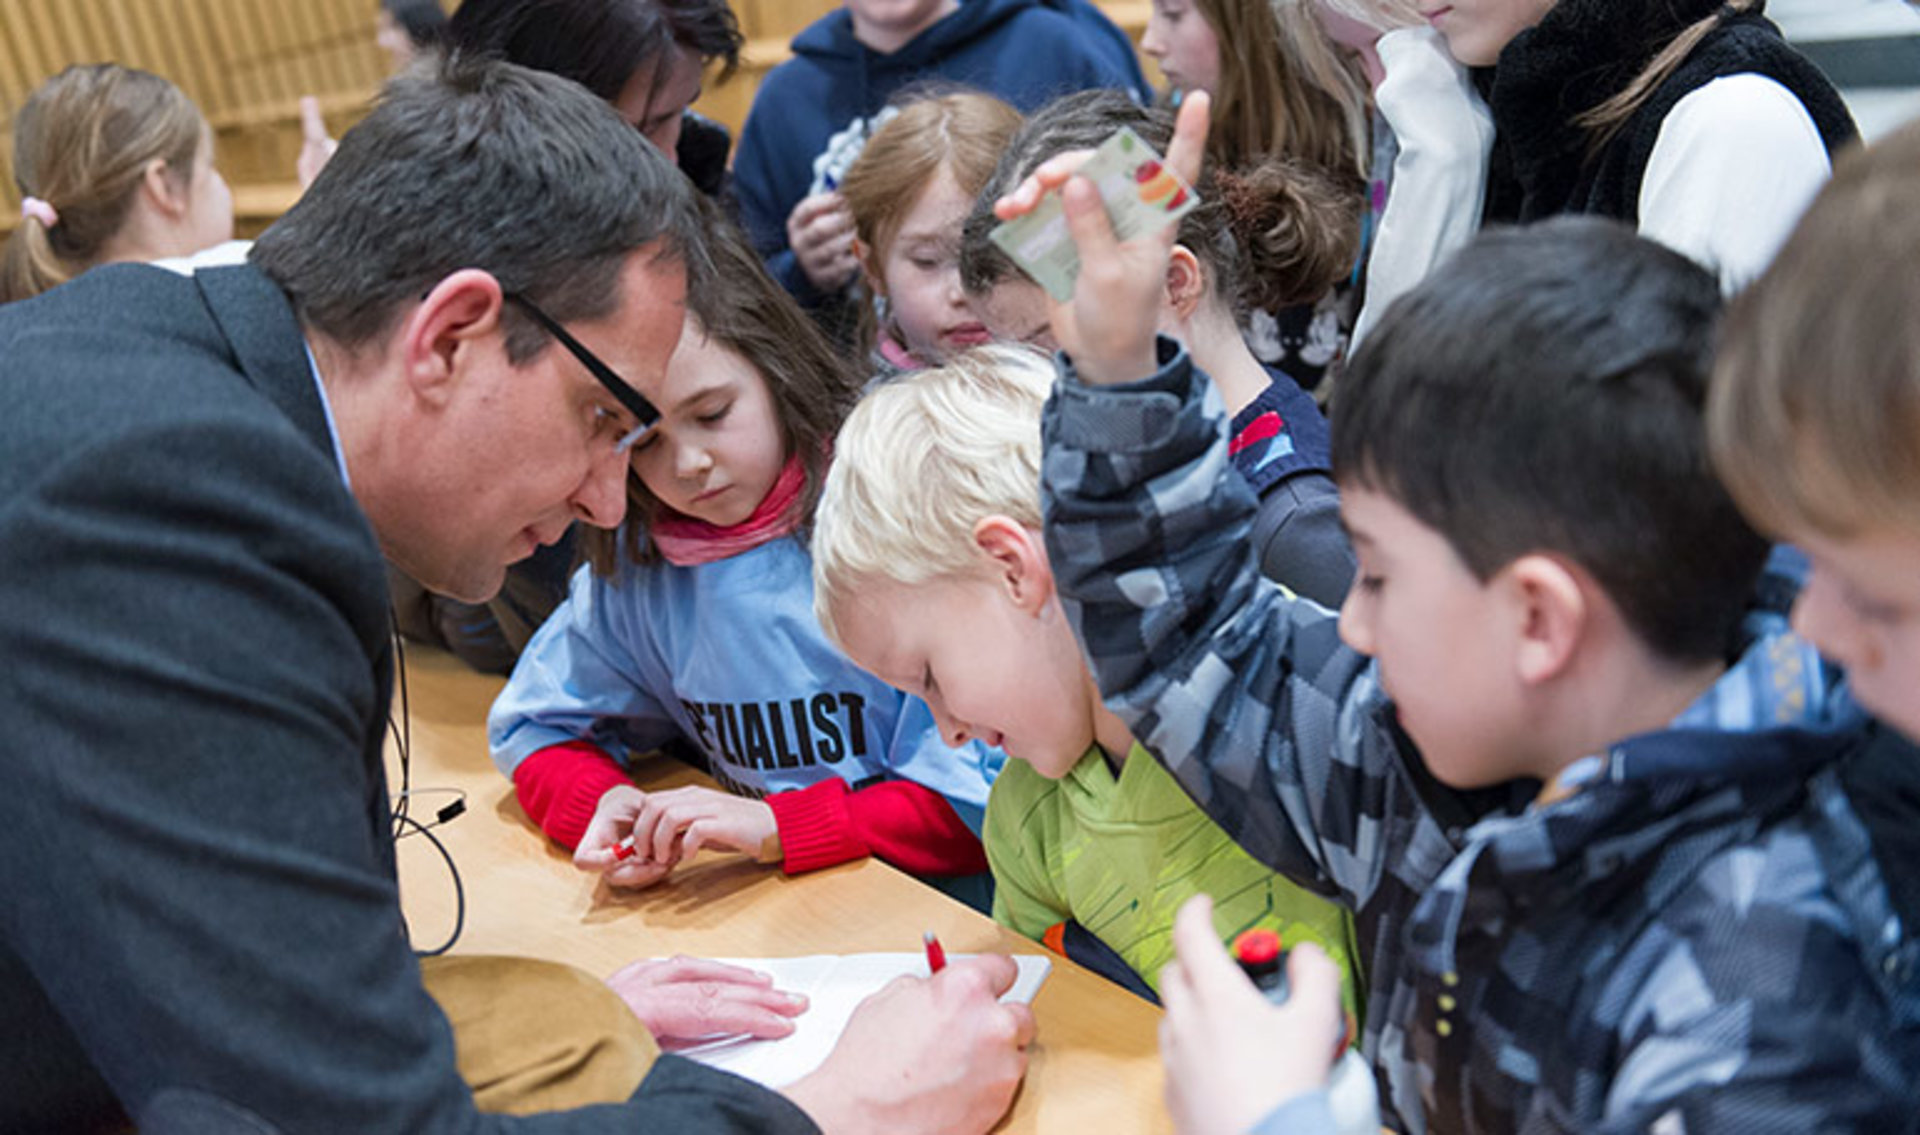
1108	327
1231	1056
683	1000
598	852
667	827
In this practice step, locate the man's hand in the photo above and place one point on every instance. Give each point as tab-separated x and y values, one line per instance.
672	825
612	819
925	1054
1232	1056
1108	326
684	1000
820	232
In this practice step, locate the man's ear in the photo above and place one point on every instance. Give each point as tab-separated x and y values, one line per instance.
439	336
1552	615
1186	281
1019	561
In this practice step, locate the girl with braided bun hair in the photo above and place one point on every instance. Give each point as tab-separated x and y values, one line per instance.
112	164
1275	93
1261	238
1692	120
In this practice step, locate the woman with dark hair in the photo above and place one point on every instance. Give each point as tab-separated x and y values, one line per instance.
406	27
647	58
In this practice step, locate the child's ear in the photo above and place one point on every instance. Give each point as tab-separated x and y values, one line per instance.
437	338
1552	616
1019	561
1186	282
863	255
168	193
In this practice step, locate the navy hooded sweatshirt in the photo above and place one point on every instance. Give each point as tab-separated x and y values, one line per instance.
814	112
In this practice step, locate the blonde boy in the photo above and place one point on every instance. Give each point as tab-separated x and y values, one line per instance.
1815	418
1814	424
929	571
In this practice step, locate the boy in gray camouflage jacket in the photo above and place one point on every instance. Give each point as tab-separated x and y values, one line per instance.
1582	799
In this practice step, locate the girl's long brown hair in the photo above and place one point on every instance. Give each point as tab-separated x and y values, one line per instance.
812	388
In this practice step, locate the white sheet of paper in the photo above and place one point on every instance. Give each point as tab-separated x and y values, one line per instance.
834	984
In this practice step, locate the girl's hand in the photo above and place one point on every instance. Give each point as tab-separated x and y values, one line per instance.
612	820
683	999
316	145
820	232
675	824
1108	325
1232	1056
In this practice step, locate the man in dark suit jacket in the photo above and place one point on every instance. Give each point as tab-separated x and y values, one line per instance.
200	928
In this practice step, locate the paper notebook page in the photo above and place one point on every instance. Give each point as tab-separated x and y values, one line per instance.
834	985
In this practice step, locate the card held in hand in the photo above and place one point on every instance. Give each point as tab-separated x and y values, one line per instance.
1141	194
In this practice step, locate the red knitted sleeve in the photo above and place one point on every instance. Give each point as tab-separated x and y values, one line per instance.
907	824
560	786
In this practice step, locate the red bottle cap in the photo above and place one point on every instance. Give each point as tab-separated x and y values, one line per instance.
1257	947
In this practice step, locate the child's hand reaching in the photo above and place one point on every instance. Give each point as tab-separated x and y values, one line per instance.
1108	326
1231	1056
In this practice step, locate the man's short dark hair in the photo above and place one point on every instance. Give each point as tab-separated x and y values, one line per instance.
1543	391
476	163
599	44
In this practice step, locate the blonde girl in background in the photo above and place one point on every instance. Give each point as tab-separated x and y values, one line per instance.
112	164
1265	104
1431	132
909	192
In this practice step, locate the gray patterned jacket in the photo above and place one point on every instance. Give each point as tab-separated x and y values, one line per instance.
1699	939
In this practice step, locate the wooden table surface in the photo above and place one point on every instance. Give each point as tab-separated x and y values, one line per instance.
1094	1068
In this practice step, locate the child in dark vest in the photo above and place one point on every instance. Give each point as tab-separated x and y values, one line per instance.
1690	119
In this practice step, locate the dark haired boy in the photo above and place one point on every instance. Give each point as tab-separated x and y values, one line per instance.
1583	803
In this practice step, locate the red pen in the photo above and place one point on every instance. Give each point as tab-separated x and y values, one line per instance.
936	957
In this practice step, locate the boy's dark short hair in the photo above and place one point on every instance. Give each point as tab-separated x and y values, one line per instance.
475	163
1543	391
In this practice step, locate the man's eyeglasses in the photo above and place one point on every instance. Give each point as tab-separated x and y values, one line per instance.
623	392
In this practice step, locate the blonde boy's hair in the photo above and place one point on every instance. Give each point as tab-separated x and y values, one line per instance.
1814	412
921	460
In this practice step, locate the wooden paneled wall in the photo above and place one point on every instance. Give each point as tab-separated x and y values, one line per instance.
243	62
247	62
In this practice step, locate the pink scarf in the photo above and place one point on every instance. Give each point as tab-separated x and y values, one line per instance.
897	356
687	542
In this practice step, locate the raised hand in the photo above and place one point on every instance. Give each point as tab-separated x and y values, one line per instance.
1107	328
